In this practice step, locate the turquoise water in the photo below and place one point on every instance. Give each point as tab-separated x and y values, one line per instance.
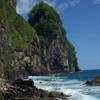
70	84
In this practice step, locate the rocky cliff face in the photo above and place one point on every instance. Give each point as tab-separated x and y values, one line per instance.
6	54
57	53
14	36
38	48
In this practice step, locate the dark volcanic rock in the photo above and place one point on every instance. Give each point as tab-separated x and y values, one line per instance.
6	54
25	92
20	82
95	81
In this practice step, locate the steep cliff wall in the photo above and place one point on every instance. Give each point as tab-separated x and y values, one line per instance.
58	54
6	51
38	48
15	35
6	54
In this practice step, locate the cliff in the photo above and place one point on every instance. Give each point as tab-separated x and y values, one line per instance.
37	47
14	34
56	52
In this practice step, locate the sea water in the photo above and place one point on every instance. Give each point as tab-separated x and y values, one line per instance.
70	84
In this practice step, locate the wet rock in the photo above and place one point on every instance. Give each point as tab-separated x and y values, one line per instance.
22	90
20	82
51	95
95	81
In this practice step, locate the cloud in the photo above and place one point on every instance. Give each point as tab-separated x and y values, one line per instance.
74	2
23	7
62	7
52	3
96	2
67	4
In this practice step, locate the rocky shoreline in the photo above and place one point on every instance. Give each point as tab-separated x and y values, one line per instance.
35	47
23	90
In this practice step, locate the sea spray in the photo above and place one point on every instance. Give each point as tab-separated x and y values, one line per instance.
70	84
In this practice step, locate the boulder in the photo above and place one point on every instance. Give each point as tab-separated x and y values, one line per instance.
20	82
25	90
95	81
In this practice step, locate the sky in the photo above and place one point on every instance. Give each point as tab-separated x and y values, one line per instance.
81	19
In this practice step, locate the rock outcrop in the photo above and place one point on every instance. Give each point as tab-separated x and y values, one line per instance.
57	54
25	90
6	54
95	82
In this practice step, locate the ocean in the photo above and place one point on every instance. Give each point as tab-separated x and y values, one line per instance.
71	84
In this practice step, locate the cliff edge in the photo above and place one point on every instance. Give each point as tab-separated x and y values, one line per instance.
36	47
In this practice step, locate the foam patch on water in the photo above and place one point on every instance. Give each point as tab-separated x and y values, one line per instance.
73	87
77	95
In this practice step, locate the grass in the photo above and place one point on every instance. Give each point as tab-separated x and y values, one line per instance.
19	32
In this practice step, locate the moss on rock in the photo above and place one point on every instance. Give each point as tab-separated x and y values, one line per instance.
18	30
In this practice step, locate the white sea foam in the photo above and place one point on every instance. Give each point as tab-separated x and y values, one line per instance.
77	94
73	87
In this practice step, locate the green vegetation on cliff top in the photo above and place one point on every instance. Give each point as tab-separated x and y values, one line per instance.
18	30
48	25
43	18
46	21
